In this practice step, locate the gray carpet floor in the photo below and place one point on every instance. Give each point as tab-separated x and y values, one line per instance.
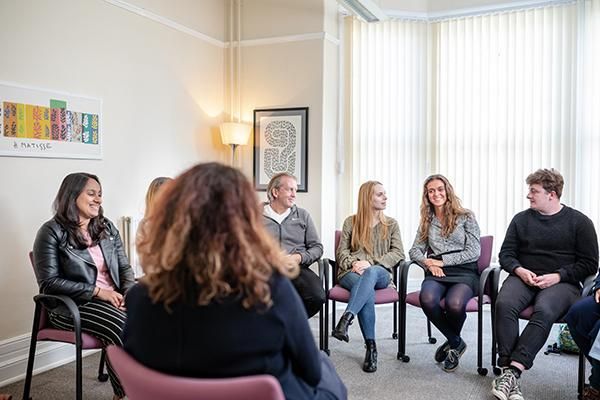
553	377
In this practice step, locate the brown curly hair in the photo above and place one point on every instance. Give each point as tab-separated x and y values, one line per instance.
550	179
205	241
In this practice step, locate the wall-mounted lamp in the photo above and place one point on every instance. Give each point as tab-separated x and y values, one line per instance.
234	134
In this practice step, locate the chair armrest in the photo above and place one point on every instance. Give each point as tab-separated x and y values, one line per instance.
588	285
489	275
326	268
323	264
68	302
404	270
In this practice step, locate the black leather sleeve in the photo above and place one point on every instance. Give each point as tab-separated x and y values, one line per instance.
49	243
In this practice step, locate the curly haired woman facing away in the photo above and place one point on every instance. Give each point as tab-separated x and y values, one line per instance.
216	300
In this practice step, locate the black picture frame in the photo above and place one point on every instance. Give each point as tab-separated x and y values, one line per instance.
280	145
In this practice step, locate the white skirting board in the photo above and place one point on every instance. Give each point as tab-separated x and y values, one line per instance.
14	352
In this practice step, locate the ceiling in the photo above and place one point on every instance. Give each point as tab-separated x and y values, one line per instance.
435	6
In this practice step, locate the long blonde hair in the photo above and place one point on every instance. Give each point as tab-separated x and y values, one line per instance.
152	191
452	209
206	241
361	221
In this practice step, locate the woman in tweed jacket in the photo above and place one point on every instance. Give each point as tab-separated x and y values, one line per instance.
447	247
369	247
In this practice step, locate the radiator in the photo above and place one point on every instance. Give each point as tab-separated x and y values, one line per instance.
129	227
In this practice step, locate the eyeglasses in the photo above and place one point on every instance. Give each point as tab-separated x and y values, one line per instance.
534	191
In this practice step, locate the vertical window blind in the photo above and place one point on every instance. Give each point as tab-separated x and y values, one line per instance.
483	100
389	112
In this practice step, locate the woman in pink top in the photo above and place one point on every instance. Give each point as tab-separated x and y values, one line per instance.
79	253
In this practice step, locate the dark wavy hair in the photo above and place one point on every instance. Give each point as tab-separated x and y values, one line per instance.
66	212
205	241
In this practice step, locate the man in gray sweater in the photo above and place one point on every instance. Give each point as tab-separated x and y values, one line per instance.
297	235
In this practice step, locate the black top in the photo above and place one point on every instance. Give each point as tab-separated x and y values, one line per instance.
225	340
565	242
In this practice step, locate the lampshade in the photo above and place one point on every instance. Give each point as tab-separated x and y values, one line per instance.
235	133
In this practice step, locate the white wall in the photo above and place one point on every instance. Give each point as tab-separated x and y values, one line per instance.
162	93
291	74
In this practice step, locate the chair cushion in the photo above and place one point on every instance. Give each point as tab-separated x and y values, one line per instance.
382	296
59	335
526	313
413	299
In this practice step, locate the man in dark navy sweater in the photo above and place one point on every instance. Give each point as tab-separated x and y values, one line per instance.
549	249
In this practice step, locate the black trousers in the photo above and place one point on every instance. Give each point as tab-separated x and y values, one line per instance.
309	287
549	306
102	320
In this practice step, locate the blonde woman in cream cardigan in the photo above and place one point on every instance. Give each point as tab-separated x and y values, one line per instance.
369	247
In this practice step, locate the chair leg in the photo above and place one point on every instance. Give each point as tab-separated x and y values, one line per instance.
580	375
321	329
32	346
395	332
332	316
324	327
430	338
78	371
78	359
480	370
402	338
495	369
102	377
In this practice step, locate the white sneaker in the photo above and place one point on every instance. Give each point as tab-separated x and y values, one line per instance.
504	386
515	393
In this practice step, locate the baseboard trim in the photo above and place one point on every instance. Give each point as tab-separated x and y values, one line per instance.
14	352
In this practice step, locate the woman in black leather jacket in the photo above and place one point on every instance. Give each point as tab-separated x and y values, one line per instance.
79	253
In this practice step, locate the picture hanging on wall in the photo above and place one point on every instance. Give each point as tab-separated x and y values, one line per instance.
280	145
43	123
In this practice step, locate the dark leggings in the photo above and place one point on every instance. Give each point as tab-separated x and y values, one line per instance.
451	318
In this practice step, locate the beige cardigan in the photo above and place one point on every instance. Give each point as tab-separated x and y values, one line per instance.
387	252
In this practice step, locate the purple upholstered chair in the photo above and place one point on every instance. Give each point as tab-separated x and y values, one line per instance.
338	293
143	383
488	287
526	315
42	330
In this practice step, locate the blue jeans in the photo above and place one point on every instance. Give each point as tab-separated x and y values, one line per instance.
362	295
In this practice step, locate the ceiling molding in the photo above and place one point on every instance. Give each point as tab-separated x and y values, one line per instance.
472	11
216	42
290	38
167	22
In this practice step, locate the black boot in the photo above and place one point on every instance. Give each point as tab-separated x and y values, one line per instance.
370	364
341	329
